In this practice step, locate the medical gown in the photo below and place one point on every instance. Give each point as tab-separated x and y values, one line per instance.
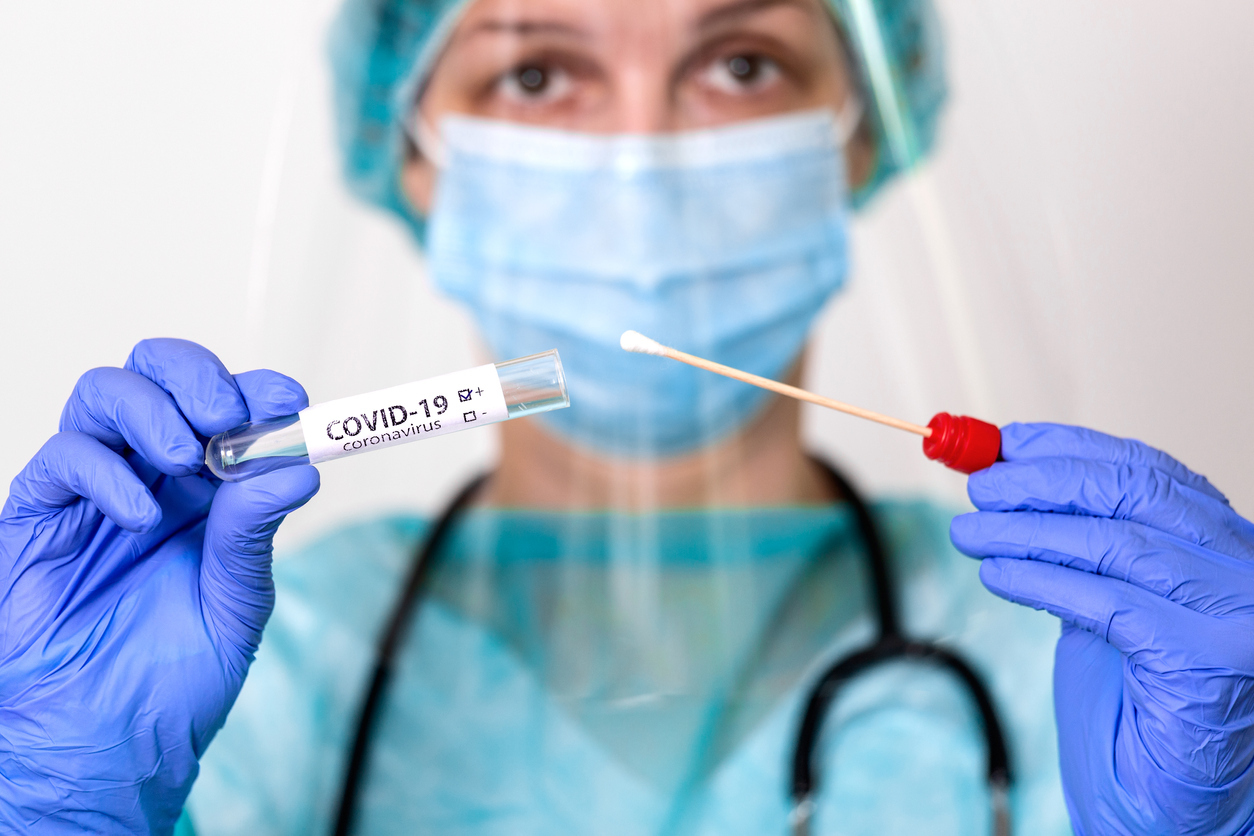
619	674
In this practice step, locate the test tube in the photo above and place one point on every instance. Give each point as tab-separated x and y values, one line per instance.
437	406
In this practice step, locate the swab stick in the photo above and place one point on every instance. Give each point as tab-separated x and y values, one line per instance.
636	342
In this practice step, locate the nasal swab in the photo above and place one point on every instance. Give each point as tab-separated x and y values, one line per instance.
640	344
958	441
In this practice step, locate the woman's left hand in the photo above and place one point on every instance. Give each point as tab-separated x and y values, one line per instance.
1152	574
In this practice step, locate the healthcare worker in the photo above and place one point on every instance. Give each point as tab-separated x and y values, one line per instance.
620	630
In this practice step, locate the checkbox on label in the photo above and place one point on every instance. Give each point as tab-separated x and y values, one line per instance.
468	416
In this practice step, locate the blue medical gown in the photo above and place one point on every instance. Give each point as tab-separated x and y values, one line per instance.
574	673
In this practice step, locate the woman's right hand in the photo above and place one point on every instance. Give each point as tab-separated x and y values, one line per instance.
133	591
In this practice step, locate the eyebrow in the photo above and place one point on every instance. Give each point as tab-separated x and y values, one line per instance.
744	8
525	27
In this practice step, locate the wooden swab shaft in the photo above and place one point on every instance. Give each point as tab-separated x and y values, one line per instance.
793	391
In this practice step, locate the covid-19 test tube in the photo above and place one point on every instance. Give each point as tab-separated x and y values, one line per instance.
440	405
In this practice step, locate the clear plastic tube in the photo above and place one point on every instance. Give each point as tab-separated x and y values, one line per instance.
438	406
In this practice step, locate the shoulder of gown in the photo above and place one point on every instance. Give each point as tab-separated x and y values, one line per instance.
1010	646
275	766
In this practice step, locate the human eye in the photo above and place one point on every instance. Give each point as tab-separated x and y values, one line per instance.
740	73
534	83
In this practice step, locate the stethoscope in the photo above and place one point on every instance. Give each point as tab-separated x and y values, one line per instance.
890	645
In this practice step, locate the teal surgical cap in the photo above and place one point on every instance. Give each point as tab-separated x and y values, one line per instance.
381	51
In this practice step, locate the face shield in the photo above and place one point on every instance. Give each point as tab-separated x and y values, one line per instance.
770	185
956	294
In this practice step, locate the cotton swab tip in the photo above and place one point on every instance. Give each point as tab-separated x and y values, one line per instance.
638	343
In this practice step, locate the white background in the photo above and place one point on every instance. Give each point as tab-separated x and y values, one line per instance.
168	170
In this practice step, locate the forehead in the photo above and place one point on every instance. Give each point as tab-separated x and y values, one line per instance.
590	17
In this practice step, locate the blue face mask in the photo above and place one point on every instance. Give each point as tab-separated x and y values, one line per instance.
722	242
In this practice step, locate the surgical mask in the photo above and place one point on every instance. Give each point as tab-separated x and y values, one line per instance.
722	242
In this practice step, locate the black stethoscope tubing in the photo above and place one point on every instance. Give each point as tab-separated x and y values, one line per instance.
890	645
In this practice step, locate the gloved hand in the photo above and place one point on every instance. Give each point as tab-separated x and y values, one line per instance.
133	591
1152	574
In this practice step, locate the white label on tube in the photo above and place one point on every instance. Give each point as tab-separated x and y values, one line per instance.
437	406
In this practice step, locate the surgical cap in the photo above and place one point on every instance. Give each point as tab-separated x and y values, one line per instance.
380	51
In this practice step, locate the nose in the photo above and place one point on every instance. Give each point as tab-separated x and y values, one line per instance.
645	104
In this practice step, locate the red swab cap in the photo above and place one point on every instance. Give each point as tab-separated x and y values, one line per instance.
962	443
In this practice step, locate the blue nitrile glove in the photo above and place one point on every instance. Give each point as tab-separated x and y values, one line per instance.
133	591
1152	574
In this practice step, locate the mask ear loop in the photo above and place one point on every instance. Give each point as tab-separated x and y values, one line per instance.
427	140
848	120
